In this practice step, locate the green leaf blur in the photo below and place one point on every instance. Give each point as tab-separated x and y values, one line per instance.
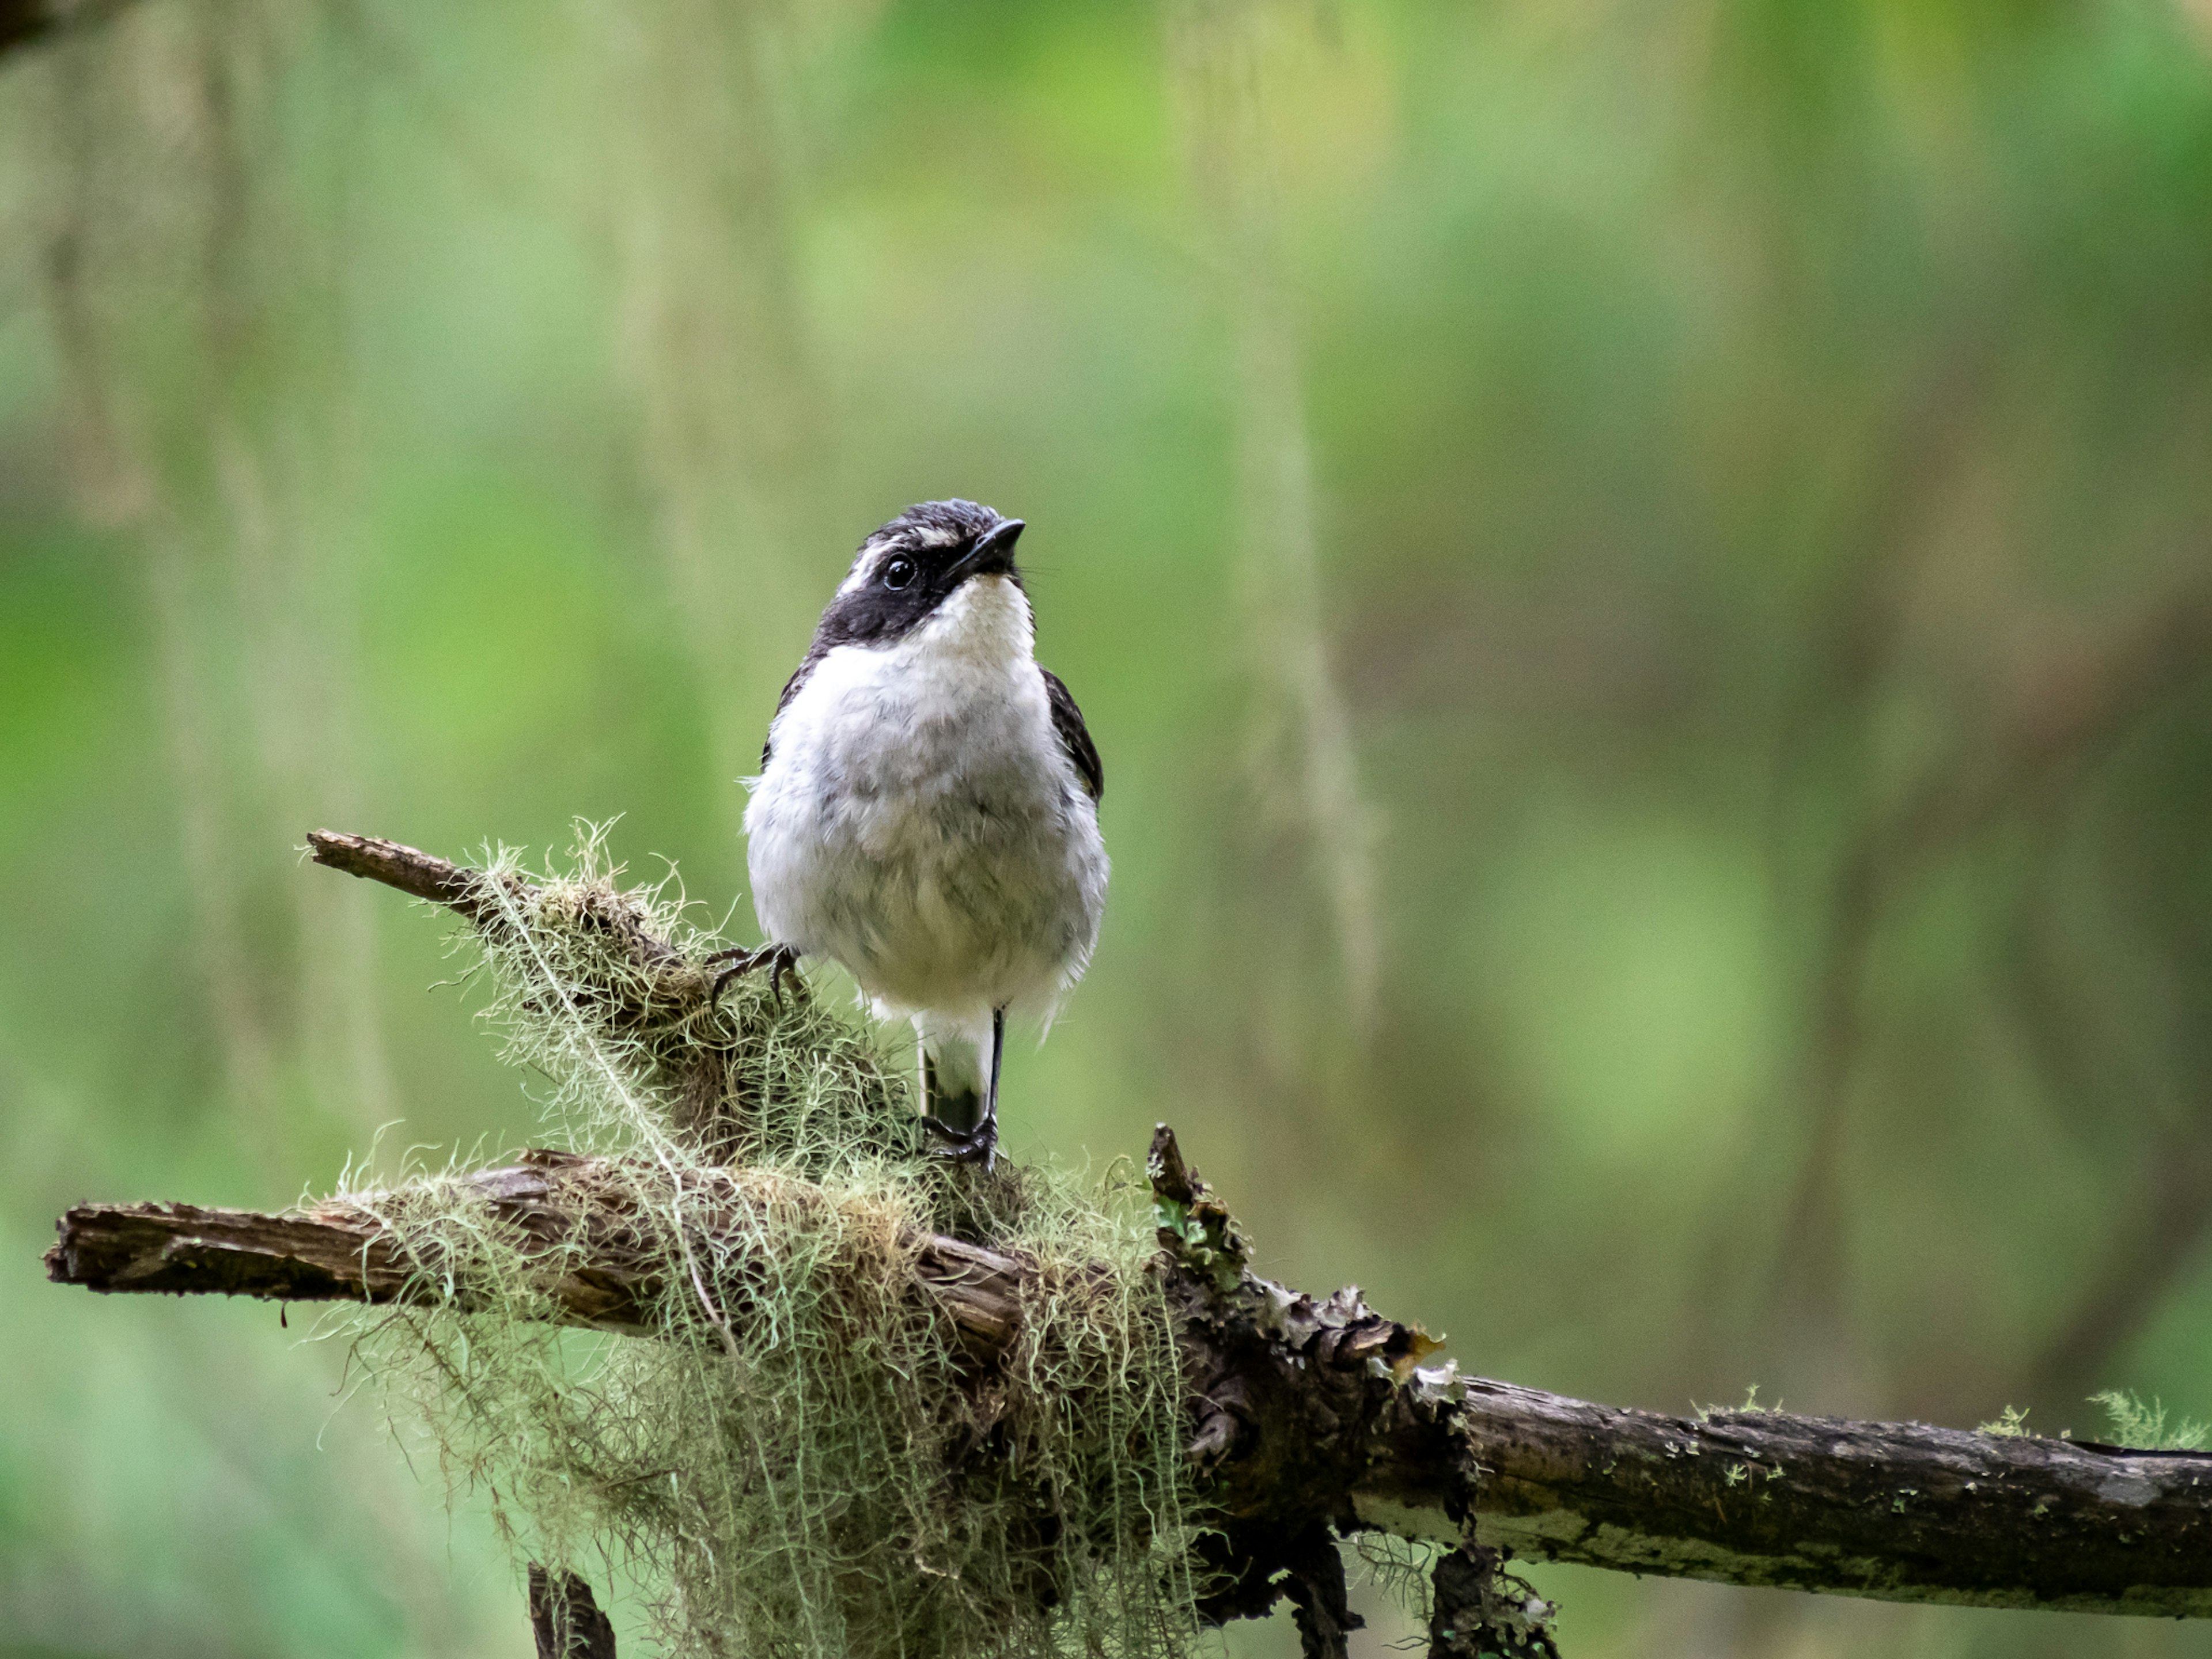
1643	574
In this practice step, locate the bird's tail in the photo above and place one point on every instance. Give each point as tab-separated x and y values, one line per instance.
954	1075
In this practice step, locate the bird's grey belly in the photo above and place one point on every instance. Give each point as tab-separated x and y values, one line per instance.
938	883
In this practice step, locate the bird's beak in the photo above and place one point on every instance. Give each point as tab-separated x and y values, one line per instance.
994	552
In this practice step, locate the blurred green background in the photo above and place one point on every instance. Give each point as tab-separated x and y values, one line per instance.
1642	571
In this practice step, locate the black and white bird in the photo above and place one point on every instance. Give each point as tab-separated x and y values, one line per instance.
927	813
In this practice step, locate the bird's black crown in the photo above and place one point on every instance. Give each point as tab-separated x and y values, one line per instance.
951	523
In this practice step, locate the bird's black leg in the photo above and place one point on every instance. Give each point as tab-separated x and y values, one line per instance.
784	965
781	962
981	1144
989	1130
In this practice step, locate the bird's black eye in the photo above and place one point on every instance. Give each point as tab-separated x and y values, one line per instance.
898	573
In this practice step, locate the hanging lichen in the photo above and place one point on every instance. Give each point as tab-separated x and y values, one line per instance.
803	1461
1301	769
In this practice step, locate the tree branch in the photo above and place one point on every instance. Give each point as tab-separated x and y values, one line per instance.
1322	1409
339	1252
421	874
564	1619
476	897
1308	1415
1311	1413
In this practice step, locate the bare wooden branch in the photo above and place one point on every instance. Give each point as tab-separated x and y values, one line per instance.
423	874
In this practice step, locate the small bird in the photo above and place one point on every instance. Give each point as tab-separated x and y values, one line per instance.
927	813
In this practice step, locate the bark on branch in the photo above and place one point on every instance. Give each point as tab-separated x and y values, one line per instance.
565	1620
1319	1413
1310	1415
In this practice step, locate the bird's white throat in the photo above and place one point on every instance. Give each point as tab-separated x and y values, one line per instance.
986	621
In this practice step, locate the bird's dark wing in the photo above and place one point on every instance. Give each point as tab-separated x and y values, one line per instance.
1074	736
814	653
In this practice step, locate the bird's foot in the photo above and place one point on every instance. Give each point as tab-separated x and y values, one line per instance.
977	1145
781	962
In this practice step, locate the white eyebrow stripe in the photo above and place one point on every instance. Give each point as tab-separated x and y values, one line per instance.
910	539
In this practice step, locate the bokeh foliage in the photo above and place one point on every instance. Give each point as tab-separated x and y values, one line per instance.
1641	571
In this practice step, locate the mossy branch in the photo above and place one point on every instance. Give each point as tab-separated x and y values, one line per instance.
1318	1412
342	1251
1307	1417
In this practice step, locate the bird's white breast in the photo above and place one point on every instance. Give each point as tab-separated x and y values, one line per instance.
919	822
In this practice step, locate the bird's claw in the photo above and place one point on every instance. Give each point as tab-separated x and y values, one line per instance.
781	962
977	1145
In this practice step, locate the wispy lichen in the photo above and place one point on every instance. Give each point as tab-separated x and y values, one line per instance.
803	1461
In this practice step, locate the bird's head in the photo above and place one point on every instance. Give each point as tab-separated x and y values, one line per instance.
906	571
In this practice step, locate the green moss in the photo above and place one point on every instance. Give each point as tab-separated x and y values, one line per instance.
802	1462
2144	1427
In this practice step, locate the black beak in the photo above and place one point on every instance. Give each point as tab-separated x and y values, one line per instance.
994	552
